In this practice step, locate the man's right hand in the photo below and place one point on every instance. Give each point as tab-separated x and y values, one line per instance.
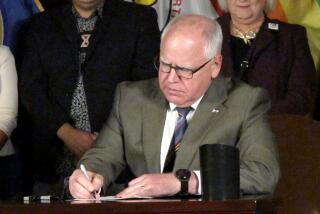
76	140
82	187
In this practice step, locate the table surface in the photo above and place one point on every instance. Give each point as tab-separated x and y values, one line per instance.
249	204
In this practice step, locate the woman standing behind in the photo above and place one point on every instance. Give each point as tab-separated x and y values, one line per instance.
9	165
268	53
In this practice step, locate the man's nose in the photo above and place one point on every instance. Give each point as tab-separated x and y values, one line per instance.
173	77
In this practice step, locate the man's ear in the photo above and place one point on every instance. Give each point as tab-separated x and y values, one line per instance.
216	66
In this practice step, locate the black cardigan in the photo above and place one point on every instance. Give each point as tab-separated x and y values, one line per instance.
281	63
123	48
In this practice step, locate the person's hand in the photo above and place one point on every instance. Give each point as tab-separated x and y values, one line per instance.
77	141
151	185
82	187
3	139
157	185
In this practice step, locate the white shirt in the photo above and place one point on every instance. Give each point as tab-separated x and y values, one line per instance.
8	97
168	131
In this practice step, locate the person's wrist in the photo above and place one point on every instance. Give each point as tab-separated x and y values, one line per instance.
66	191
3	139
183	176
177	184
64	130
193	183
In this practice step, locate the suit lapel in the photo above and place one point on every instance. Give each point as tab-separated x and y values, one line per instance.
263	39
66	27
227	65
154	115
209	110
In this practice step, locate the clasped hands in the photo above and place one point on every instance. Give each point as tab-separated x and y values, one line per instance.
148	185
77	141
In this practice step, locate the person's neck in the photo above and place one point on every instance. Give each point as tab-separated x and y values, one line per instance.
245	25
87	12
84	12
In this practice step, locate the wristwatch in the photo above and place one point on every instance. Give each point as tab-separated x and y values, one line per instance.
183	175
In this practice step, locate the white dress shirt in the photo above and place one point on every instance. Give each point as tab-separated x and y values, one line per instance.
168	131
8	97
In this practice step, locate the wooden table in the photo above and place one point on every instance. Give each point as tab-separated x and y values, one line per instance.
245	205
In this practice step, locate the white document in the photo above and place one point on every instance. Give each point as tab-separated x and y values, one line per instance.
111	198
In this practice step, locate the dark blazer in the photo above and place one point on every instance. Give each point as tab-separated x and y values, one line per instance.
133	135
123	48
281	63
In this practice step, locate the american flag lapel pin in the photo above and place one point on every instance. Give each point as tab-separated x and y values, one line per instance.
215	110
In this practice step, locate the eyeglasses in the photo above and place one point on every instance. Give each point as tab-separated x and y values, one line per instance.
186	73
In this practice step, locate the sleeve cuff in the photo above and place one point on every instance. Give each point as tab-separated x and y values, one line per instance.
198	175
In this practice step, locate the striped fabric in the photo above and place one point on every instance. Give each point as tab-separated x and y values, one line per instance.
179	130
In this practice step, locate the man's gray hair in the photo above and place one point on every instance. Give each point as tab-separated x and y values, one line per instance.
212	35
268	6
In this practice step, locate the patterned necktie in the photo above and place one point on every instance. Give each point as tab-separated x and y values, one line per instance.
180	128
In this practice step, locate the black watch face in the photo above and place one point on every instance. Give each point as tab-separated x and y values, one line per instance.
183	174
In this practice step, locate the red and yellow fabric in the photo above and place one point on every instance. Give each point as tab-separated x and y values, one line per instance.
305	13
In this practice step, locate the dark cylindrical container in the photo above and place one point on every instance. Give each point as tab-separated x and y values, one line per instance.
220	177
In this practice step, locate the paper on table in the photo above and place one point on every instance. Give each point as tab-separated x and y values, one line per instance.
111	198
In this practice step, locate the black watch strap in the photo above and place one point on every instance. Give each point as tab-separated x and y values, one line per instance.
183	175
184	187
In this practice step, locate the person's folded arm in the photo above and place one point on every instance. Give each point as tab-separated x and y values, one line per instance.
8	95
34	87
106	157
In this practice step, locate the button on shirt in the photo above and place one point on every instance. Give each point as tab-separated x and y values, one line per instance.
169	126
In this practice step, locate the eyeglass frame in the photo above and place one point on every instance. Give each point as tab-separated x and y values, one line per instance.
158	61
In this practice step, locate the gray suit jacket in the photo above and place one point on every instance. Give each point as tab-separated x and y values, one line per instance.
132	137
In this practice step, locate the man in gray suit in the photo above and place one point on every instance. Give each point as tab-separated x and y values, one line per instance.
140	135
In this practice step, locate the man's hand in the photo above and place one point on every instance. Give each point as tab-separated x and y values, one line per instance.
155	185
151	185
76	140
81	187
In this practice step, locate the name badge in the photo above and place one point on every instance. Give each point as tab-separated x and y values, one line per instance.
273	26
